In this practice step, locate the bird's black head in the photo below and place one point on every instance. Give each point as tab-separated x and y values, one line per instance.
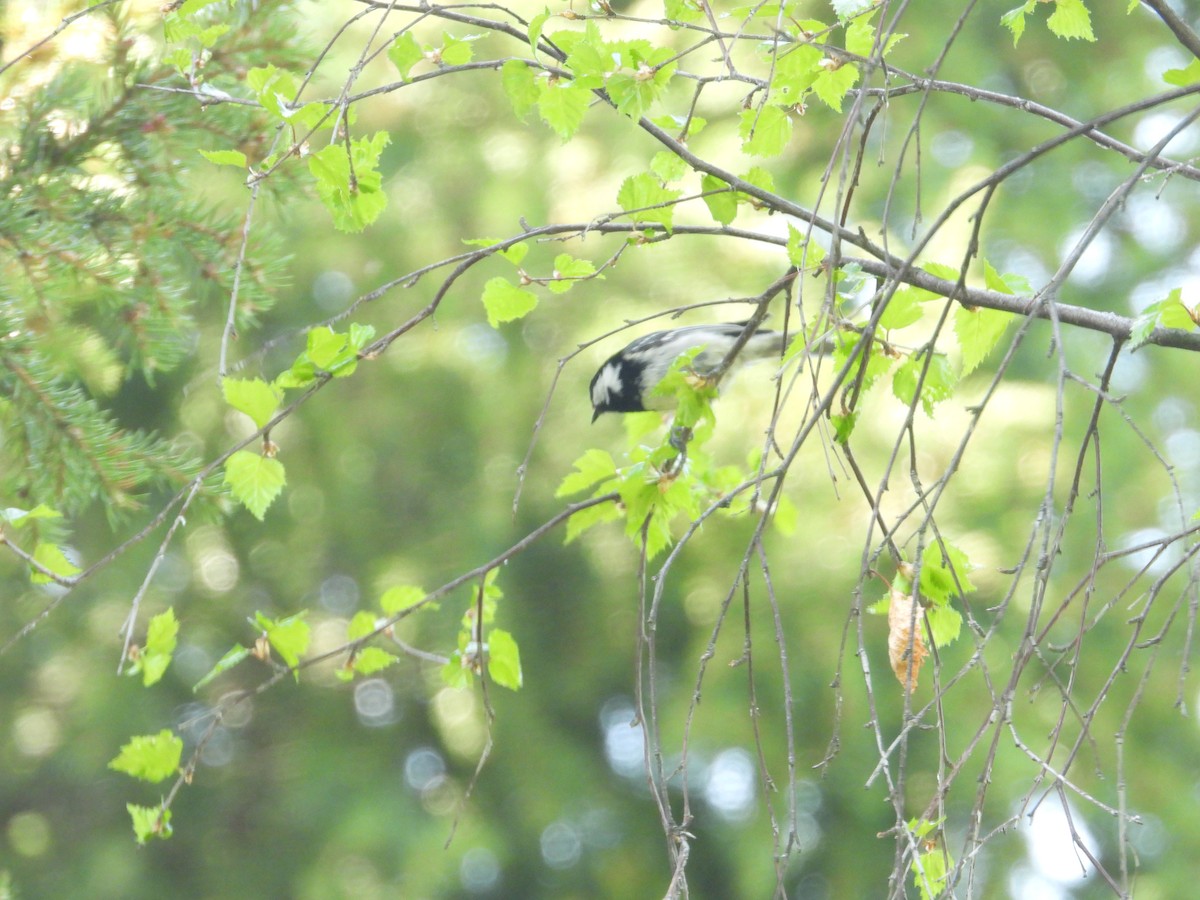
617	387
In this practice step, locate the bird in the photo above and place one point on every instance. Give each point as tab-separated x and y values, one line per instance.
626	381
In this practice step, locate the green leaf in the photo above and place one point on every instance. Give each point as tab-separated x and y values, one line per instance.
945	623
832	84
764	132
505	302
161	638
594	466
150	757
843	426
255	480
1014	19
978	331
149	822
225	157
938	385
369	660
253	396
504	659
860	36
683	11
1189	74
1071	19
234	656
903	309
944	575
405	53
567	270
520	84
289	636
562	105
760	178
353	205
645	198
801	252
399	598
930	872
668	166
361	624
456	51
1169	312
592	515
536	24
51	557
323	345
723	203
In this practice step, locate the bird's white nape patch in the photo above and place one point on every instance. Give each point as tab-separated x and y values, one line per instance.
607	385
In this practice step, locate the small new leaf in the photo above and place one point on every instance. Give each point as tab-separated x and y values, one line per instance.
765	131
150	757
567	270
160	647
645	198
405	53
594	466
520	85
255	480
253	396
234	656
225	157
979	331
504	660
505	302
289	636
149	822
719	198
399	598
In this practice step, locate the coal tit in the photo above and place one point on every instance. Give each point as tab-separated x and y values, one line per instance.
626	381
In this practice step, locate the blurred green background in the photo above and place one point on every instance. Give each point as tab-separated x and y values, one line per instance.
405	474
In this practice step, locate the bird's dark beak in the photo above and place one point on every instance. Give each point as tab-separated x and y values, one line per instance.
596	414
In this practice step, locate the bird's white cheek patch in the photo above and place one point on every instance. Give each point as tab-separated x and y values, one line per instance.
607	385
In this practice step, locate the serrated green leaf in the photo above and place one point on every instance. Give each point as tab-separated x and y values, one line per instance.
520	84
723	203
504	660
978	331
399	598
765	131
161	637
149	822
760	178
252	396
1014	20
1071	19
562	105
255	480
668	166
370	660
536	24
903	309
1169	312
51	557
361	624
353	205
505	302
1189	74
289	636
323	345
938	385
683	11
832	84
945	624
945	575
232	657
860	36
225	157
647	200
457	51
843	426
405	53
586	518
567	270
594	466
150	757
